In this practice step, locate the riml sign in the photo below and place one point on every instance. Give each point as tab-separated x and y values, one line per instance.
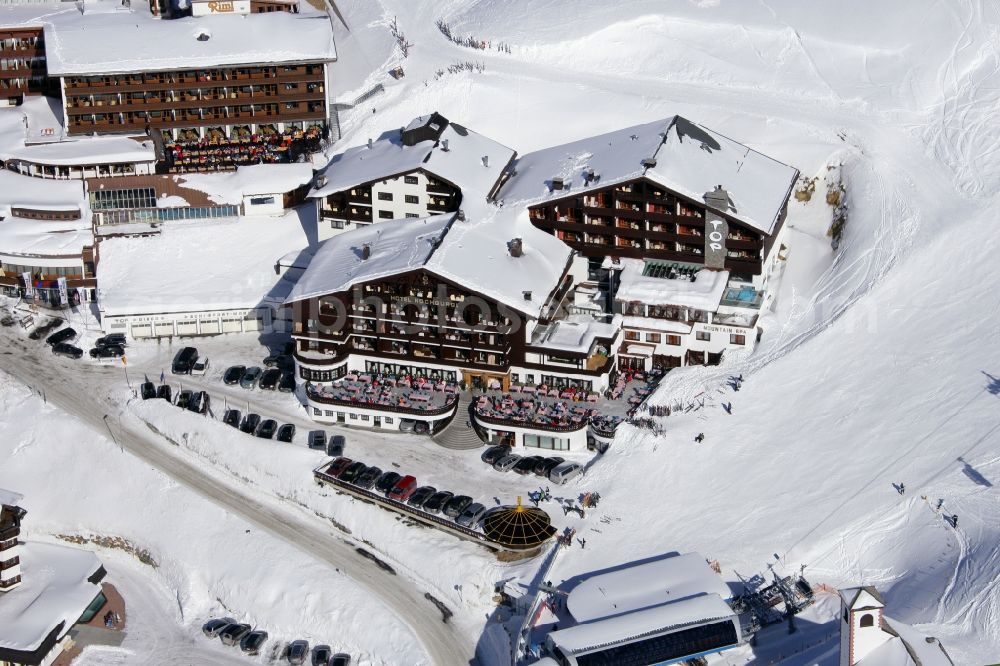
220	7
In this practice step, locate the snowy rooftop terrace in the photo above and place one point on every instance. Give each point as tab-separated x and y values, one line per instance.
17	191
106	39
704	293
676	153
55	590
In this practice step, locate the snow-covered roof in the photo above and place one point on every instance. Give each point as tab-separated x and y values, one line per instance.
476	254
705	293
396	246
34	132
862	597
17	191
54	590
644	585
920	649
229	187
655	324
615	157
461	164
694	159
105	42
217	265
44	238
683	156
575	335
9	497
616	629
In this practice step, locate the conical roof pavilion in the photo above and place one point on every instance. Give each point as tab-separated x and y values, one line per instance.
518	527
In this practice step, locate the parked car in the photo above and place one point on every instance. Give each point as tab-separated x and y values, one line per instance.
285	433
321	655
436	502
269	380
495	453
546	465
183	398
471	516
407	425
234	633
505	463
212	628
565	472
297	652
43	330
232	418
456	505
111	340
271	361
200	402
112	351
147	390
266	429
338	466
526	465
335	447
403	488
200	367
352	472
368	478
283	361
163	391
340	659
250	423
250	377
252	642
420	496
386	482
184	360
287	382
233	374
67	350
317	439
65	335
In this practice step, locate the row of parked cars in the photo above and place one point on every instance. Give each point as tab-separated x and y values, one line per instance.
553	468
252	424
404	488
255	377
250	640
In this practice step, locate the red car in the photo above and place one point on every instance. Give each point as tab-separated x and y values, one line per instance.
403	488
338	466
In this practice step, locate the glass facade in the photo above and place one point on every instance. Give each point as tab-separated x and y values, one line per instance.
165	214
546	442
133	197
666	648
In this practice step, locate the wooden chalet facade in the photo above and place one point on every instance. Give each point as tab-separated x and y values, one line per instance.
415	193
642	219
22	65
224	97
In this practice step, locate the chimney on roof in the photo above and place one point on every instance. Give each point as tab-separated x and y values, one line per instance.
486	160
649	162
717	198
369	143
557	183
321	180
588	175
516	247
366	251
527	295
460	215
444	145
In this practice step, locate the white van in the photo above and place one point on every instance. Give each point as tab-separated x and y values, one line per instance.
564	472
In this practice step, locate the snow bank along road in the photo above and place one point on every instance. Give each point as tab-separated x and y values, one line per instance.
74	392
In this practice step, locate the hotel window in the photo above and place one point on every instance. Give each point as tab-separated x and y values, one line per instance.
653	337
737	339
632	335
385	196
261	201
673	340
705	336
412	199
364	417
410	180
336	224
385	214
412	215
387	420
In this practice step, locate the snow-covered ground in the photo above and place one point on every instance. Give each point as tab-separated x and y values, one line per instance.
878	366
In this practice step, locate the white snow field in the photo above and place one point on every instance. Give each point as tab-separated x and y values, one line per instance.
878	366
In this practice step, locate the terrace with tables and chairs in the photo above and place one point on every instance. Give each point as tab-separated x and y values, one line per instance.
369	395
192	152
572	414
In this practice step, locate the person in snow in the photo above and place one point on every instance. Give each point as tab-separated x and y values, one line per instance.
954	520
902	488
700	437
728	406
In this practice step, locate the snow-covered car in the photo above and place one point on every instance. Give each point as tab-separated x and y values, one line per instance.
506	463
234	633
285	433
233	374
250	377
471	516
212	628
200	367
251	643
297	652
